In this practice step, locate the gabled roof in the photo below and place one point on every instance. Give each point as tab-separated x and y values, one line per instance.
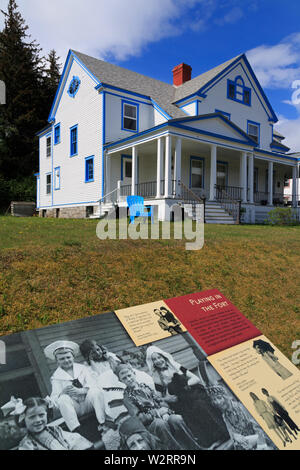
193	86
165	95
109	74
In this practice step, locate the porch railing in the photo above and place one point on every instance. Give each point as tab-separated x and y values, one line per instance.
262	198
224	196
189	196
233	192
147	189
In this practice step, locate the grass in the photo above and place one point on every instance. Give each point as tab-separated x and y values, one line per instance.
58	270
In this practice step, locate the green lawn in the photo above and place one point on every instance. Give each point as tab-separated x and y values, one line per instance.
57	270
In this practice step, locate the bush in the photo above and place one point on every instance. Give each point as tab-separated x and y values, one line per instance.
283	216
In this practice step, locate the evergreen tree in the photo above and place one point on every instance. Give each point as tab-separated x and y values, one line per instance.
51	78
22	70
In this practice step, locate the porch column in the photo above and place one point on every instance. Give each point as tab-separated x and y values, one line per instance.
213	172
177	171
134	168
270	184
251	177
159	175
168	176
295	185
108	173
243	176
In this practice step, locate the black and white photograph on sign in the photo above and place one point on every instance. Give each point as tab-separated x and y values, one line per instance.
268	355
167	321
85	385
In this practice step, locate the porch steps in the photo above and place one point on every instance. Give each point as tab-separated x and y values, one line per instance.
215	214
102	210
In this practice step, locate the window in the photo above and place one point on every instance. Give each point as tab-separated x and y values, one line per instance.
48	146
57	134
74	140
128	169
57	178
237	91
197	173
129	117
89	169
254	130
48	183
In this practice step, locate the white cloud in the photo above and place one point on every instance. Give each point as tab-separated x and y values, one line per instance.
103	28
231	17
290	129
277	66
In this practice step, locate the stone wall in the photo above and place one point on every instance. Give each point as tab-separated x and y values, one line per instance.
76	212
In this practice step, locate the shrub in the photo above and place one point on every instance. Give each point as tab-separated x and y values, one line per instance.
283	216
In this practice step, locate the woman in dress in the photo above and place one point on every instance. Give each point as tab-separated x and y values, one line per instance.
266	413
33	415
185	394
267	352
279	409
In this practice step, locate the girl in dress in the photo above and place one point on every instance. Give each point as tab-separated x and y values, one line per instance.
267	414
267	353
32	414
185	395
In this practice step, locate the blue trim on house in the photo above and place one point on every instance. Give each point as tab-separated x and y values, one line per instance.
277	147
175	123
55	188
123	156
51	187
188	104
227	170
136	105
73	154
123	90
254	124
102	177
64	80
70	204
160	110
193	157
87	179
74	86
227	115
220	76
57	138
187	98
273	154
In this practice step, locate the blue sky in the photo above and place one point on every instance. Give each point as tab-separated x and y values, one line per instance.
152	36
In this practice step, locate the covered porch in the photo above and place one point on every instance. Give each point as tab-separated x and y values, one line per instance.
167	168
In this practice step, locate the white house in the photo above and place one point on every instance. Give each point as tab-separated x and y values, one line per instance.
113	132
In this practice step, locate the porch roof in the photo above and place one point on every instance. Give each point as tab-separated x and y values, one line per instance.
186	123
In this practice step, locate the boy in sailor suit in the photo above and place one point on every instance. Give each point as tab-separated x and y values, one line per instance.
74	390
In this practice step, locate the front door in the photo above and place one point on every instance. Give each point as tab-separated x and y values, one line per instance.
126	170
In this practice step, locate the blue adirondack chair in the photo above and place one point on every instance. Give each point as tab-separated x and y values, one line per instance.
137	208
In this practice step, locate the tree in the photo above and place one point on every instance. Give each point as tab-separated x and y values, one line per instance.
23	71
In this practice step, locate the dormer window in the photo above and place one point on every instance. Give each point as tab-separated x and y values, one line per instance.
129	116
237	91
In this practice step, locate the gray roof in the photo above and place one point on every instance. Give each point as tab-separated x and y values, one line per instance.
277	134
162	93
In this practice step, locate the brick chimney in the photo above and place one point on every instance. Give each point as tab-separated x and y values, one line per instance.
181	73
